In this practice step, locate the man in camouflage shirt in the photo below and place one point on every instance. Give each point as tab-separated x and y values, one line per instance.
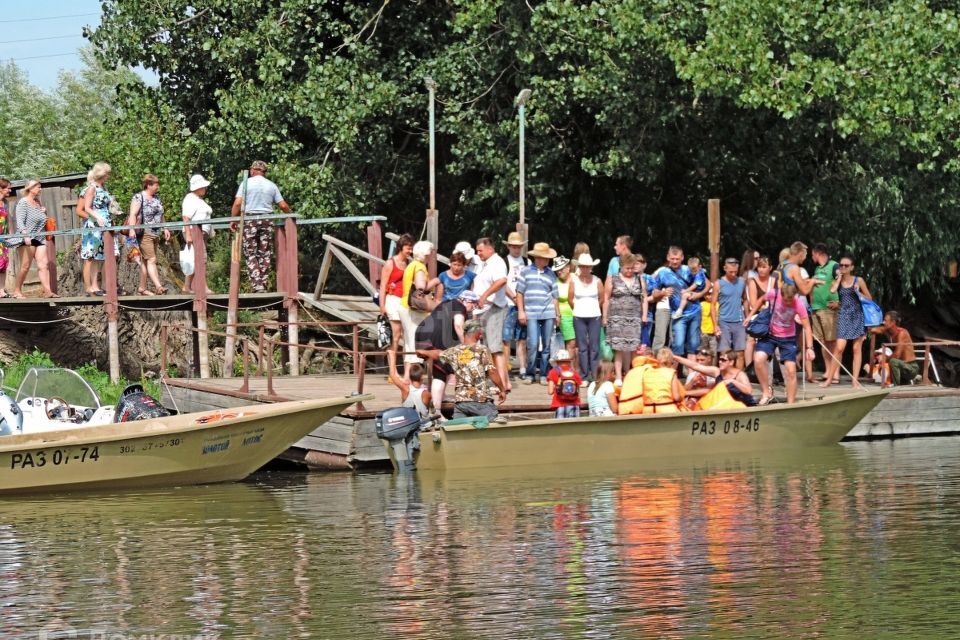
472	364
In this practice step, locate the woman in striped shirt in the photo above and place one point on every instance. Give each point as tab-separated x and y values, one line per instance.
32	221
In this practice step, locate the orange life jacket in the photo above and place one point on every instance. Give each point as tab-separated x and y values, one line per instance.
631	393
719	398
658	391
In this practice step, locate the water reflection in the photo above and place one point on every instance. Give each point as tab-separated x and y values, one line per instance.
751	547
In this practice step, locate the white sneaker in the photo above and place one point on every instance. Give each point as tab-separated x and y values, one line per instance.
677	315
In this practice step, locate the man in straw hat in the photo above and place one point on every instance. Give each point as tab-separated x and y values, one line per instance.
538	308
513	331
258	195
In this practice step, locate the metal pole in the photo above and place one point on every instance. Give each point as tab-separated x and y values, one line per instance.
432	89
432	219
522	104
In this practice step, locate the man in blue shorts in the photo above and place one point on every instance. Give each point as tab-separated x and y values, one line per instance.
730	294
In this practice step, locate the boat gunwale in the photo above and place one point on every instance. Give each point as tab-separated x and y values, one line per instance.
80	435
546	422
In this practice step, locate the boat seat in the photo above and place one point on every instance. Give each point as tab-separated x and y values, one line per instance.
477	422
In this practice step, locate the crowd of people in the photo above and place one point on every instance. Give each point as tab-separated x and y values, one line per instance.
561	316
97	207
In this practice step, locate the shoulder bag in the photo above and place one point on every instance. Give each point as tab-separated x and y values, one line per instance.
872	313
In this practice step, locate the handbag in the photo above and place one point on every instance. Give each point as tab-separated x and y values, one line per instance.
872	313
759	326
418	300
384	332
606	351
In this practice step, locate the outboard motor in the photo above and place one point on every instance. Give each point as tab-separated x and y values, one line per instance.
400	426
135	404
11	418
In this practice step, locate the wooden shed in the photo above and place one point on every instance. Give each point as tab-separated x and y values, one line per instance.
59	196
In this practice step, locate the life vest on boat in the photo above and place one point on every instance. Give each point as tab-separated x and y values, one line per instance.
658	391
718	398
631	393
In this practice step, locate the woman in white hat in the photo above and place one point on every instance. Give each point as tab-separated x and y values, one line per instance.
586	296
195	209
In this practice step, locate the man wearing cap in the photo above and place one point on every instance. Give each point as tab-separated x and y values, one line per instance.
538	308
258	197
491	310
443	329
473	366
729	297
513	331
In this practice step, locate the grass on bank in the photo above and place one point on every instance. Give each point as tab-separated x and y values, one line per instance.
100	381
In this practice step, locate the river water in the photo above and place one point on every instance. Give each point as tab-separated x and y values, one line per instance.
859	541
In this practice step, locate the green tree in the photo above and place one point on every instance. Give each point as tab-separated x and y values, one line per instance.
806	120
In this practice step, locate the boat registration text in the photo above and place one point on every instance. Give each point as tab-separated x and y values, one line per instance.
53	457
710	427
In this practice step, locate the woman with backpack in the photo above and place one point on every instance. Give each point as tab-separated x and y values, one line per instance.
850	327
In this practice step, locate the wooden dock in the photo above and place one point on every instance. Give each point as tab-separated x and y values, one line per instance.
349	440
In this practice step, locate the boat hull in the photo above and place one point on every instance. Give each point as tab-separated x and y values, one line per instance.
778	427
194	448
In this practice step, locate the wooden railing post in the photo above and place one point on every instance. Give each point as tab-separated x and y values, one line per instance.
163	351
375	248
111	304
200	301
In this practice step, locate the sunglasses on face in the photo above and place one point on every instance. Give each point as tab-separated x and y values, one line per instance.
845	266
723	360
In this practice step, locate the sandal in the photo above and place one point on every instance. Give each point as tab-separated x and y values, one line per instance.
764	401
160	291
145	292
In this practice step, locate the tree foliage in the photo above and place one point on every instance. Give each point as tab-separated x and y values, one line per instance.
820	121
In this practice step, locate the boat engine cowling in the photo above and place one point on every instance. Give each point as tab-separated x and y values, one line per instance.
11	418
400	426
135	404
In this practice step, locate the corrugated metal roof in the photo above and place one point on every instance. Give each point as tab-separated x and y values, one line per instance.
67	180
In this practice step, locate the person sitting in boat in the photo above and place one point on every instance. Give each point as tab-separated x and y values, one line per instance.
630	398
563	385
414	393
698	384
602	394
442	329
662	391
472	364
736	390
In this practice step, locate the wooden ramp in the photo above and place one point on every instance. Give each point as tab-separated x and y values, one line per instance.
346	308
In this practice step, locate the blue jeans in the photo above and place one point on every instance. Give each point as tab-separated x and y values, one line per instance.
686	334
587	331
646	332
572	411
539	331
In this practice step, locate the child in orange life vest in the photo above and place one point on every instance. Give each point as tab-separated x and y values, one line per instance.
563	384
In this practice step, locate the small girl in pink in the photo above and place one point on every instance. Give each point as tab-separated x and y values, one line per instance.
788	309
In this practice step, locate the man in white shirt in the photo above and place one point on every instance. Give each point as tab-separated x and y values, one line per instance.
258	197
513	331
490	285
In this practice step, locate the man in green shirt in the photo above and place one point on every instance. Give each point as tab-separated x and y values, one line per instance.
824	303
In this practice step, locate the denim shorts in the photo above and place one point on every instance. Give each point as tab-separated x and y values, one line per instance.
787	346
512	329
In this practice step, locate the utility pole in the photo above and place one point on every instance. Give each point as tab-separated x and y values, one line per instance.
522	99
432	221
